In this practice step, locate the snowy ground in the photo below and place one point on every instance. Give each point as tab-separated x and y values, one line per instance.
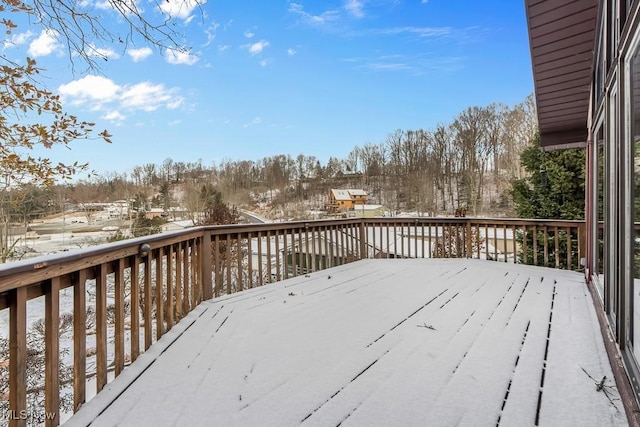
378	342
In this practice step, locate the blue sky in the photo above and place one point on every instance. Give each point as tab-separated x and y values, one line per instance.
283	77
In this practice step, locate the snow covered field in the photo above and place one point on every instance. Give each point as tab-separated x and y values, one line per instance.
379	342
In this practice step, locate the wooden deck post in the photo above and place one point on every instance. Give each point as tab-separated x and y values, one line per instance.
52	353
79	341
582	244
18	357
207	263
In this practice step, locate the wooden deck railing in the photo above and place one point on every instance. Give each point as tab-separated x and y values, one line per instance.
124	296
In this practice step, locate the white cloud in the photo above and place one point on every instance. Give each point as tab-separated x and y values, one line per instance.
95	90
114	116
45	44
248	34
174	56
102	94
172	105
257	47
211	33
425	1
223	47
17	39
323	18
138	55
355	8
175	122
181	9
266	62
148	97
291	52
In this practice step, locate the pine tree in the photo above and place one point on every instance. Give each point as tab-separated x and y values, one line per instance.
555	185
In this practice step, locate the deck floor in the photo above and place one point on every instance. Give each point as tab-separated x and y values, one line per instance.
379	342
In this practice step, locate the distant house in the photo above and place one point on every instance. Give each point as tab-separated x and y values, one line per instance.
369	211
341	200
177	225
155	213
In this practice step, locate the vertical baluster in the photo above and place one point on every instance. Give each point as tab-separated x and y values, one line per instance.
148	302
159	294
556	233
300	251
307	256
227	260
269	273
343	253
373	229
535	244
388	240
325	248
80	341
119	317
169	272
185	278
135	308
525	253
569	258
351	242
486	240
52	352
250	258
294	262
415	239
422	239
331	246
546	246
195	285
314	236
285	260
260	260
216	262
18	355
239	256
277	250
179	304
206	266
514	244
101	327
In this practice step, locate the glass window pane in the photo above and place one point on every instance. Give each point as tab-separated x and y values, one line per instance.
635	135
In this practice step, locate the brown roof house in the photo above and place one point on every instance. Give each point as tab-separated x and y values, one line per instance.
341	200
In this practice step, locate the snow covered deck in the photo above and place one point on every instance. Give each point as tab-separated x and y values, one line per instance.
378	342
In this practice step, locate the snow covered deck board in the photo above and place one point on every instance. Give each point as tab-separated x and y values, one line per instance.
380	342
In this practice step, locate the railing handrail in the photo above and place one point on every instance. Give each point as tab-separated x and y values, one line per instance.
131	246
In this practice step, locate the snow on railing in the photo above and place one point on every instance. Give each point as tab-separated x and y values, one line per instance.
70	323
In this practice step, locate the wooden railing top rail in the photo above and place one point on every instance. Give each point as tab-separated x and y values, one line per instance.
19	273
475	220
29	272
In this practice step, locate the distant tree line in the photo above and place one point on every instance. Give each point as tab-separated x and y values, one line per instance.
469	163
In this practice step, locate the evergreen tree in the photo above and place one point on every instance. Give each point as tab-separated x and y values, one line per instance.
555	185
554	188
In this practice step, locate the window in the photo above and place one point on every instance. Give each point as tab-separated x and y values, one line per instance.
600	206
635	193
